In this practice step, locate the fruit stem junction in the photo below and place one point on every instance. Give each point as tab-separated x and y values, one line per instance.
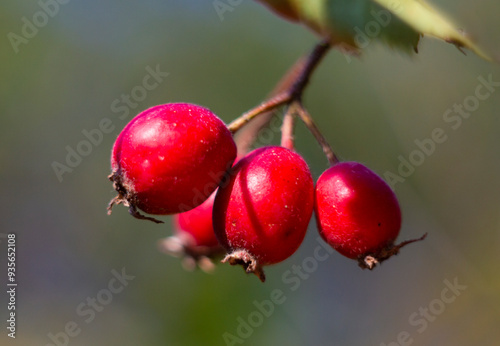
292	97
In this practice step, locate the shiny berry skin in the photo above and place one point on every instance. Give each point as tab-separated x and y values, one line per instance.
261	216
170	158
194	238
357	213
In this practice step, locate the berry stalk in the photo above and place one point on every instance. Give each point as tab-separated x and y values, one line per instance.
287	138
313	128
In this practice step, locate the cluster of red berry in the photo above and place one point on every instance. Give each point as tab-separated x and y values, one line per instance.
180	159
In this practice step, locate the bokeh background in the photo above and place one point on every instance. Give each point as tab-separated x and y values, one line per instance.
67	76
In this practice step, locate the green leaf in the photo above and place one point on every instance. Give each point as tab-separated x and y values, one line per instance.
401	23
428	21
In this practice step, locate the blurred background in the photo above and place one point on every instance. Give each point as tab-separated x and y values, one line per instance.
63	77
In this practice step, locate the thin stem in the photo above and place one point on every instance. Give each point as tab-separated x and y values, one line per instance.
287	139
311	125
265	106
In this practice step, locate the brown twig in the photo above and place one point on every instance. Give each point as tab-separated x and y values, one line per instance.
285	97
313	61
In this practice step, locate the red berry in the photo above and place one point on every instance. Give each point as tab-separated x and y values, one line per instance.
261	215
194	238
357	213
197	223
170	158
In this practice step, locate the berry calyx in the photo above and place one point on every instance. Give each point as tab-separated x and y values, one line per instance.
169	159
358	214
194	238
261	216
